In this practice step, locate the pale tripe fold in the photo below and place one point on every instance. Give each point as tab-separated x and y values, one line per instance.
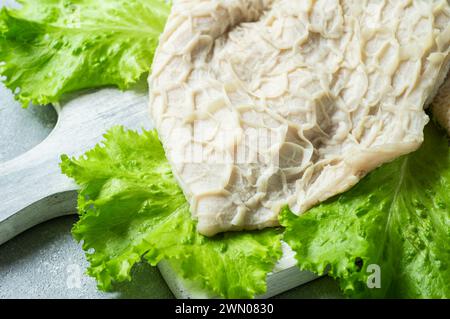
262	103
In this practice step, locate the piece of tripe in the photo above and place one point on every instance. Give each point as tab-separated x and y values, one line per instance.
263	103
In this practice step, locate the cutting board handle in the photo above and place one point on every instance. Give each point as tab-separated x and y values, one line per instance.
32	187
33	190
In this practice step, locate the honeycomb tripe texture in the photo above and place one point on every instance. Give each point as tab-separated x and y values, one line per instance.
264	103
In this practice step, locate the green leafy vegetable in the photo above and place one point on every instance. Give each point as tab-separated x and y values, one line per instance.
397	218
52	47
131	207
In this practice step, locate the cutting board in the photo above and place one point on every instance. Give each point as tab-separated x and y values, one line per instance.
34	190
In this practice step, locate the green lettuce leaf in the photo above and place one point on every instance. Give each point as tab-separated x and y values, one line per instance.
132	208
52	47
397	218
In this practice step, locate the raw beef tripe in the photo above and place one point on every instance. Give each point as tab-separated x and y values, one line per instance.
262	103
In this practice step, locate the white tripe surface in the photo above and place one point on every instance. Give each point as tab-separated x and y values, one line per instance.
263	103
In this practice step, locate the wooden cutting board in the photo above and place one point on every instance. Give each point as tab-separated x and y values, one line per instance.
34	190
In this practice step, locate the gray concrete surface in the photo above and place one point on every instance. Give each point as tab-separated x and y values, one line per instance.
21	128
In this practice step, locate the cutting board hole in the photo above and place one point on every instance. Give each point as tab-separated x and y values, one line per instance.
22	129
